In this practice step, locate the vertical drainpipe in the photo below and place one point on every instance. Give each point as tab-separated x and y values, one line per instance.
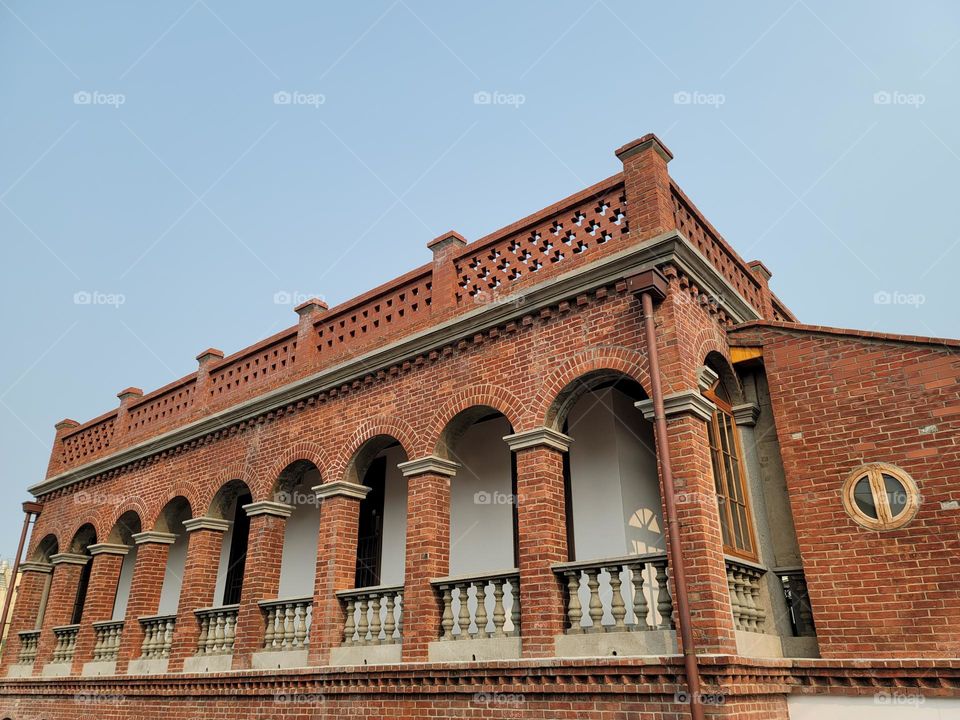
652	285
30	509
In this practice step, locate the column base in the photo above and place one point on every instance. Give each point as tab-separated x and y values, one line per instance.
758	645
148	666
100	667
208	663
20	671
57	669
366	655
279	659
617	644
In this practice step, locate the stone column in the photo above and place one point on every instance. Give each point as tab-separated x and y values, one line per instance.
107	560
541	536
702	542
27	612
261	580
427	552
153	547
198	586
67	568
336	563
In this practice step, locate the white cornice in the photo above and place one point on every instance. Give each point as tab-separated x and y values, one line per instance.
429	464
538	437
668	248
341	488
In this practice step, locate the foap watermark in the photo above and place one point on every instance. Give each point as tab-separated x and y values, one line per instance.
896	97
97	97
300	698
495	97
96	297
498	698
100	698
296	498
696	97
898	698
490	298
99	499
297	97
683	698
482	497
896	297
293	297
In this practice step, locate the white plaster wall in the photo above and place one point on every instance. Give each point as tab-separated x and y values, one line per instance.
481	510
123	584
613	477
224	556
299	562
173	575
885	705
394	520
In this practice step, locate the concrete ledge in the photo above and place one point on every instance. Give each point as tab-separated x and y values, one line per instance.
100	667
147	666
279	659
208	663
758	645
800	647
618	644
57	669
475	650
366	655
20	671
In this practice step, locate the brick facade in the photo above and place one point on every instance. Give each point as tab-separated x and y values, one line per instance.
522	323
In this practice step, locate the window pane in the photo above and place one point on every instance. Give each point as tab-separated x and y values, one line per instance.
724	529
896	495
746	535
863	496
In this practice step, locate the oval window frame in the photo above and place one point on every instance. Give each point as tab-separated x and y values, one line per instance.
874	472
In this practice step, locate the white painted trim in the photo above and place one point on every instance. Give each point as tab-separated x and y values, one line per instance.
685	402
206	523
268	507
340	488
108	549
537	437
154	536
429	464
69	559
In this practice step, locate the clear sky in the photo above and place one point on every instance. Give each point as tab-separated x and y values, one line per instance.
174	176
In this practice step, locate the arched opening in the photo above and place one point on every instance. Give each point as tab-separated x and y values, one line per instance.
171	521
124	529
299	558
614	511
82	540
228	505
45	549
382	528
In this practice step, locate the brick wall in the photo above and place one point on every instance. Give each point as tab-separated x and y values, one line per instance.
842	400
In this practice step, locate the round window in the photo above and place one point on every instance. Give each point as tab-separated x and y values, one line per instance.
880	496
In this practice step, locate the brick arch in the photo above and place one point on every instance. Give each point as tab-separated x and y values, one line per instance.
180	489
484	394
35	544
236	471
394	427
720	363
305	451
615	360
94	522
134	504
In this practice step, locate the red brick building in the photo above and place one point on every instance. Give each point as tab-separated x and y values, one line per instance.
515	482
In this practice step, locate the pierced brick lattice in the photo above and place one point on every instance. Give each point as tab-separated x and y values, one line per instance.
88	442
535	251
255	368
163	407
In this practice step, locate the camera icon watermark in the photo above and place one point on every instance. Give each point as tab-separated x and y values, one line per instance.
95	297
96	97
294	297
296	97
696	97
896	97
495	97
898	698
684	697
896	297
483	497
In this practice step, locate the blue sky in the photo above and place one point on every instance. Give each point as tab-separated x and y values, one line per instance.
158	196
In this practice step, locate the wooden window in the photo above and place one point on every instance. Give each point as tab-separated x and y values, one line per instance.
726	455
879	496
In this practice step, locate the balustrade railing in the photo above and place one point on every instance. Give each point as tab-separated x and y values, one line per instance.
157	636
620	594
66	642
218	630
107	640
287	623
373	615
29	639
480	606
743	582
798	602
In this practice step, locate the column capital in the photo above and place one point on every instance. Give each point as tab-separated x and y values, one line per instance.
268	507
108	549
340	488
429	464
154	536
685	402
206	523
541	436
36	566
746	414
706	377
69	559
